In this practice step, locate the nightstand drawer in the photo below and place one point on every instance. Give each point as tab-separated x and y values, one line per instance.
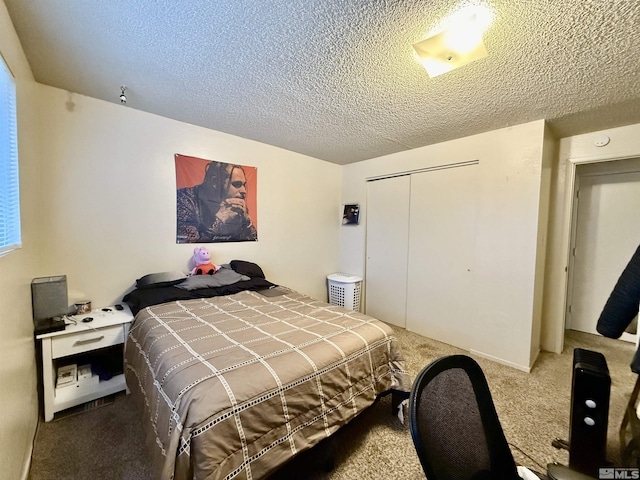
65	345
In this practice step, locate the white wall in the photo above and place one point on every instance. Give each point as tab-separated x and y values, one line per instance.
507	246
549	156
97	188
624	143
110	213
18	394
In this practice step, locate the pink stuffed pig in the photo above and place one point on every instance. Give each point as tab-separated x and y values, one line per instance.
202	262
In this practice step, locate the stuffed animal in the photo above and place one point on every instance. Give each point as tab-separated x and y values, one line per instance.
202	262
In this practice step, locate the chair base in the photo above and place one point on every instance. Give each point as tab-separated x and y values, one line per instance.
631	425
556	471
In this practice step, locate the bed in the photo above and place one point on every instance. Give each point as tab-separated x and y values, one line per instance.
236	384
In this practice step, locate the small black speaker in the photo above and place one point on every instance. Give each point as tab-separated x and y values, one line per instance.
49	297
590	393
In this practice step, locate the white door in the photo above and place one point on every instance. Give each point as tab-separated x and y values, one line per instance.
441	251
387	245
607	233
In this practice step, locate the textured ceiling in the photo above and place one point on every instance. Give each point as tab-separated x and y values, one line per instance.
337	79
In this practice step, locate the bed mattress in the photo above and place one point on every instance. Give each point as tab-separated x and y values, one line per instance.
235	386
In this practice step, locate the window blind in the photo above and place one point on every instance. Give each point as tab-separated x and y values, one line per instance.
10	237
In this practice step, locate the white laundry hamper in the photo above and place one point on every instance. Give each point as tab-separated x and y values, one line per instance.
345	290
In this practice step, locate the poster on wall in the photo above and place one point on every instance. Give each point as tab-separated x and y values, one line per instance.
215	202
351	214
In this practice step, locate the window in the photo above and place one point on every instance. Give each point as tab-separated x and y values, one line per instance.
9	185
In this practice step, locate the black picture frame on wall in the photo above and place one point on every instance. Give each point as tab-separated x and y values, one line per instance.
351	214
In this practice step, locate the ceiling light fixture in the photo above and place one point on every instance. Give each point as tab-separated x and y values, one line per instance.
457	45
123	97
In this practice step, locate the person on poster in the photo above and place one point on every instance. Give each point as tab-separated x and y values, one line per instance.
215	210
350	216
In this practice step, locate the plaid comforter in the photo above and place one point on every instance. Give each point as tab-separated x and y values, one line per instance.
235	386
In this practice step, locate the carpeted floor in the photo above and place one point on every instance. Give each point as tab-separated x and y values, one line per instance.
108	442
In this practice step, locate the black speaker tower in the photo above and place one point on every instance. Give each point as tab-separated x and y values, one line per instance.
590	392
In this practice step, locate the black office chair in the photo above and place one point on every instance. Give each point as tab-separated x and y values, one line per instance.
454	424
630	451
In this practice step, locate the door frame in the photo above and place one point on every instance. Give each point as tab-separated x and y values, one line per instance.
570	218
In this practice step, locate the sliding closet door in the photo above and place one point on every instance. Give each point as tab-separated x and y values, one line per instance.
387	245
441	253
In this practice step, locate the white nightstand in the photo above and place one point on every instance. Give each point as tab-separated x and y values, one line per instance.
109	328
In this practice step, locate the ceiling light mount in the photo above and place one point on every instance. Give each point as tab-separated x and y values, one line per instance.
457	45
123	97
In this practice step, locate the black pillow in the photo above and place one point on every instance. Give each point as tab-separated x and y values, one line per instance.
162	279
140	298
247	268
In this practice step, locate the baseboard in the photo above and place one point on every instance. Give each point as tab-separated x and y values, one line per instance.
501	361
534	358
26	468
27	463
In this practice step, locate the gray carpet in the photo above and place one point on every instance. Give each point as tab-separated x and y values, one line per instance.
108	443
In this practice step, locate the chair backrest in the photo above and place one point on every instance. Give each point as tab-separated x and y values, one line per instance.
454	424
